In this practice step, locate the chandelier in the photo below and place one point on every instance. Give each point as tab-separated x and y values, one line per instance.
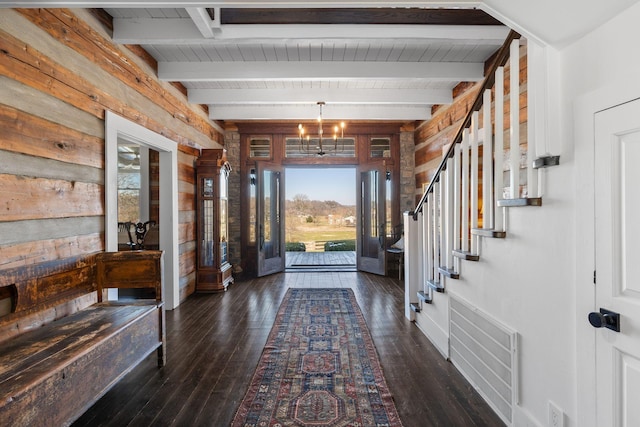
307	141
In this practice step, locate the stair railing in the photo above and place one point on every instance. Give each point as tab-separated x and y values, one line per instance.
446	220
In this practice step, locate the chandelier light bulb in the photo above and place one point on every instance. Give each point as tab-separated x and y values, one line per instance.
302	134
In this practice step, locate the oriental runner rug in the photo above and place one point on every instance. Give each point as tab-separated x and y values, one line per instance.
319	368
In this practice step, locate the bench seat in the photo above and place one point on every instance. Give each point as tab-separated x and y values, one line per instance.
62	345
79	355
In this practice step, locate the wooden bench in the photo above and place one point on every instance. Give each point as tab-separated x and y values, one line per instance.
63	346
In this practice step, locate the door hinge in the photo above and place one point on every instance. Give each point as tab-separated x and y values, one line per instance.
594	277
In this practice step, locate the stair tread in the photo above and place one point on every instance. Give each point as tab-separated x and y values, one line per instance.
449	272
489	232
437	286
466	255
424	297
514	203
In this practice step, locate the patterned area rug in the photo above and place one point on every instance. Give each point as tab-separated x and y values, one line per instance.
319	368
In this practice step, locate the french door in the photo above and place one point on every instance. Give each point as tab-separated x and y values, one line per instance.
371	206
616	311
270	227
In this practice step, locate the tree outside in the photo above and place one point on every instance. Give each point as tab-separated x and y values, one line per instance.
315	222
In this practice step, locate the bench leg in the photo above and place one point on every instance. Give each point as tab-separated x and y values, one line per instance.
161	358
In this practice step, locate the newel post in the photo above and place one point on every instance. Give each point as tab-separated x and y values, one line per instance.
412	260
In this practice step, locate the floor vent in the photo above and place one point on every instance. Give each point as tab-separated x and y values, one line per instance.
485	352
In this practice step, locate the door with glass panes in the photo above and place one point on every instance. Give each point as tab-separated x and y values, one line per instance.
270	211
372	221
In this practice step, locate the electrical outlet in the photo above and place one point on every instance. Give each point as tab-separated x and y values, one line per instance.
556	416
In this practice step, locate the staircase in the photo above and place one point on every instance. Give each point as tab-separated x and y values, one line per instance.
482	174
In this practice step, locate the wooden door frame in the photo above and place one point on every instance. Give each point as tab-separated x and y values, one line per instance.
277	132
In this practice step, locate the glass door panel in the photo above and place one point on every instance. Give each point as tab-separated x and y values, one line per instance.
371	227
271	251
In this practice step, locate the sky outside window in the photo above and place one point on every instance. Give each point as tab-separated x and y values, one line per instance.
338	184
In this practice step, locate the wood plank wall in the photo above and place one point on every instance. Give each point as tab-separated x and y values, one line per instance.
432	135
59	73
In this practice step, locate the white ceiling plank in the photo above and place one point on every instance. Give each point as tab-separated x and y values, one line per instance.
181	31
315	70
331	96
150	31
310	112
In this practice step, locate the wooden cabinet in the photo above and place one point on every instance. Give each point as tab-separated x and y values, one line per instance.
213	272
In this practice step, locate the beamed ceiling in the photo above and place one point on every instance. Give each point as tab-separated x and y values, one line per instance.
276	64
367	59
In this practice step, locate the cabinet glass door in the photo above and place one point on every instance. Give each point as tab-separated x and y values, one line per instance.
207	248
223	200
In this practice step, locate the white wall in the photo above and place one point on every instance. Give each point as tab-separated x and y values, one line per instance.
539	280
598	71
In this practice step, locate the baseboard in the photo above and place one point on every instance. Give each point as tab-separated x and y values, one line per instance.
438	337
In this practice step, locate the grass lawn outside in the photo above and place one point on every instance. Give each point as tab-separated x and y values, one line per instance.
312	233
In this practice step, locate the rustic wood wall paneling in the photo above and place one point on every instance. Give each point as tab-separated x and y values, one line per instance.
38	104
432	136
25	165
35	252
48	230
25	133
37	198
59	72
33	69
63	25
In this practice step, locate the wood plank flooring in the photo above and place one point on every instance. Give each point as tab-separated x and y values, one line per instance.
215	341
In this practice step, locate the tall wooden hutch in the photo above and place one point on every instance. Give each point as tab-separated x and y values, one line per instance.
213	271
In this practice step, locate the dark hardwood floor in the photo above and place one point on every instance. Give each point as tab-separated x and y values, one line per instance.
215	341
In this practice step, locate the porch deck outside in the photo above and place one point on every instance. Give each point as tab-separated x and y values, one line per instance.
321	261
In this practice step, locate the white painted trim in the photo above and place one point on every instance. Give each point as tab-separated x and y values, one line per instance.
585	108
119	127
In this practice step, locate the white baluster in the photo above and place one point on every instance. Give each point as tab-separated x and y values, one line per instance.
464	152
474	179
457	203
449	206
429	230
514	128
433	201
498	220
440	238
426	242
487	162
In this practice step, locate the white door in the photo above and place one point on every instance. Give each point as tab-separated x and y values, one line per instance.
617	212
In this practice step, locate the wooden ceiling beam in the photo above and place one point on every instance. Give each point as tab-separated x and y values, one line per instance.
387	15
